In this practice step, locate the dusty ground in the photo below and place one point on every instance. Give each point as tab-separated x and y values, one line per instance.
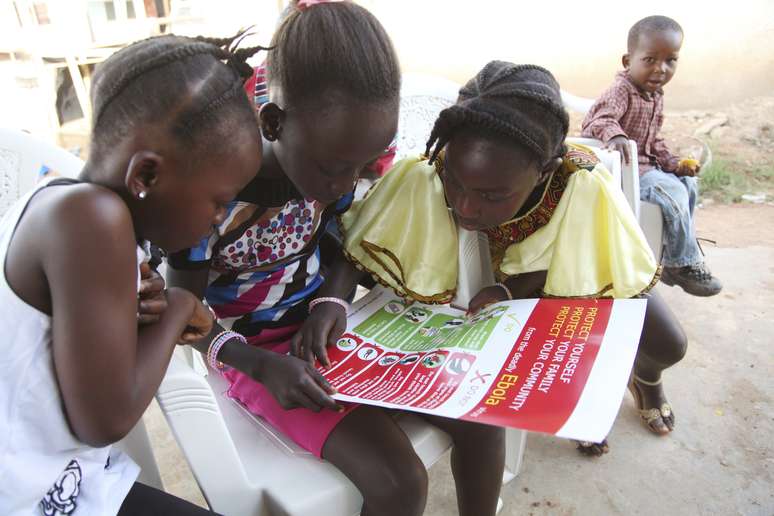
719	460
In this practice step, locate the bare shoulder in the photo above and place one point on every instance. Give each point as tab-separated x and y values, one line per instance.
82	219
80	212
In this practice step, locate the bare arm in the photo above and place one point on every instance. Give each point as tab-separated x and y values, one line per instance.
107	369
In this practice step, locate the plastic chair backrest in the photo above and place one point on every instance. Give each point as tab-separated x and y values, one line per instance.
22	158
422	98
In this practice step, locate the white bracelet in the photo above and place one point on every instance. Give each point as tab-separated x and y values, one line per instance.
217	343
506	289
320	300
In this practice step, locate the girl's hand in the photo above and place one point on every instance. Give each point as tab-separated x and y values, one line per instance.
322	328
199	325
152	301
295	383
485	297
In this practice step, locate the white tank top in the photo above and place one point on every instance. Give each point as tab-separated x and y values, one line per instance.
44	469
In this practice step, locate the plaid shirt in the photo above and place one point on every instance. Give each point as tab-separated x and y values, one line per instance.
625	110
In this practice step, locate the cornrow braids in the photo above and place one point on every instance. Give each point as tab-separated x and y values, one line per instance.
177	82
520	104
333	47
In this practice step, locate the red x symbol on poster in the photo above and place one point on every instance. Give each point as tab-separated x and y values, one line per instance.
481	376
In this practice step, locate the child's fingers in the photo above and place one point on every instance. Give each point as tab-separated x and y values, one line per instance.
321	381
155	306
147	319
302	399
295	344
152	284
321	353
625	152
316	393
337	331
307	345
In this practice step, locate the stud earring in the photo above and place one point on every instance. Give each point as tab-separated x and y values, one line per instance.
142	195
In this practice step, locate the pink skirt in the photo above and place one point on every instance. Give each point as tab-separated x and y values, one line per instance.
308	429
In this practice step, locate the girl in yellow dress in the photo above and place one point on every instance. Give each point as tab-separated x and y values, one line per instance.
557	223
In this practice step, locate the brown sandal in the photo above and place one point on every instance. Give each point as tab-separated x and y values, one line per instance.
651	415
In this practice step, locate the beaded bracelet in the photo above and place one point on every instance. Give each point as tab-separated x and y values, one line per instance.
506	289
217	343
320	300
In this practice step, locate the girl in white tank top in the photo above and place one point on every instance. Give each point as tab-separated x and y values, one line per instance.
174	140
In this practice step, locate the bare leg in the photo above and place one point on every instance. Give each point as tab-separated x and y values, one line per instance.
663	344
478	461
371	449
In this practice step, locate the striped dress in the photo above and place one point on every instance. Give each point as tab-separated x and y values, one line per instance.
264	259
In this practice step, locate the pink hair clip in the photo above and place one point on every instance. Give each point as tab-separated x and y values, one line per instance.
306	4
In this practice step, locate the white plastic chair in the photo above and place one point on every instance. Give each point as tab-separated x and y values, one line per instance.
22	156
422	97
647	214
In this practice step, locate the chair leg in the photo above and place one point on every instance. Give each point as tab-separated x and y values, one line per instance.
515	442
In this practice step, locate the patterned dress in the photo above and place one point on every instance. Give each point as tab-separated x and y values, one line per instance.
264	259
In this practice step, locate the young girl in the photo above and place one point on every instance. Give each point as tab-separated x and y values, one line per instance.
557	224
77	371
334	92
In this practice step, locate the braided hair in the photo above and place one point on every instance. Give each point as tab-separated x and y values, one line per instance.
518	104
337	46
193	86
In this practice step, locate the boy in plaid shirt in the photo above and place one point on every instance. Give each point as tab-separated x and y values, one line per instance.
632	108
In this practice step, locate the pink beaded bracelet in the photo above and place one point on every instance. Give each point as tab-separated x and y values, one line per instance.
217	343
320	300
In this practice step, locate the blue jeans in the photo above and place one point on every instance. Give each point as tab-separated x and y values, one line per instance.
677	198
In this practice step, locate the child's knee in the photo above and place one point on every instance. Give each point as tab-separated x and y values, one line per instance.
673	348
399	486
678	347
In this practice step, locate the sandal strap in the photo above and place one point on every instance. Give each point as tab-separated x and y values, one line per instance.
646	382
652	414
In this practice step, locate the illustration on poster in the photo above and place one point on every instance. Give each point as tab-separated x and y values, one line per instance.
367	353
416	315
433	360
346	344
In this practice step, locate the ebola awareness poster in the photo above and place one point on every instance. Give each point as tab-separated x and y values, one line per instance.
557	366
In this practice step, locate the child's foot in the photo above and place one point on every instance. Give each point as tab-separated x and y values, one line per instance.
593	449
656	413
696	280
